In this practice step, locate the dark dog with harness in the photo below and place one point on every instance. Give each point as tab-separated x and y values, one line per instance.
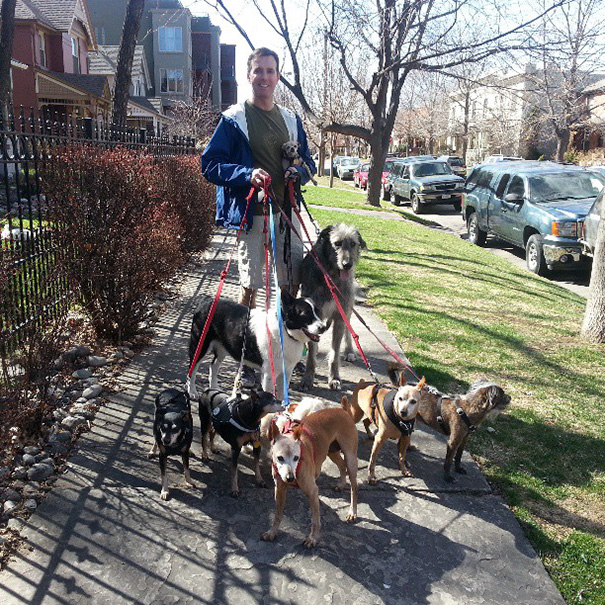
456	416
173	432
237	421
393	411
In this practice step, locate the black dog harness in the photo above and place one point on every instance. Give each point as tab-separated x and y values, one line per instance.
226	412
443	424
405	426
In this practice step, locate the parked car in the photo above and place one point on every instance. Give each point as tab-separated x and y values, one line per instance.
422	182
533	205
346	167
498	157
360	176
455	162
590	226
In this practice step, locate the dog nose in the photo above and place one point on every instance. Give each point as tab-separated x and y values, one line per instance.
346	266
290	477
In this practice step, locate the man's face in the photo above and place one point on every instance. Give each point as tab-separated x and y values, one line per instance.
263	77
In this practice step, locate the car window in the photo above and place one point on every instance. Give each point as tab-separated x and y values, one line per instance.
365	167
349	162
455	162
566	185
388	166
502	185
517	187
431	169
406	172
485	178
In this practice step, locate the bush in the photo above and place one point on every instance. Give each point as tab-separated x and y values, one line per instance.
119	235
571	157
191	196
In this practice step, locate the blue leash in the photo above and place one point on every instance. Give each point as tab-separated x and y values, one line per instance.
278	302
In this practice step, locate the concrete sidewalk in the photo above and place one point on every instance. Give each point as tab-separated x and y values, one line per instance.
104	536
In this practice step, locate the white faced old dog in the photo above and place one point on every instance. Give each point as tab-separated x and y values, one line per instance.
229	334
337	248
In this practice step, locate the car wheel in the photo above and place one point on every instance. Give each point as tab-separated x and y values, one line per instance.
534	255
476	235
417	205
385	194
355	183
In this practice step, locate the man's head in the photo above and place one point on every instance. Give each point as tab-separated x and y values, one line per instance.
263	75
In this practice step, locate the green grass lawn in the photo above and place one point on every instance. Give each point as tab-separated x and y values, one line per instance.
461	313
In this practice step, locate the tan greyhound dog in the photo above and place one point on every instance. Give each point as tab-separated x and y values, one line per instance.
297	458
393	411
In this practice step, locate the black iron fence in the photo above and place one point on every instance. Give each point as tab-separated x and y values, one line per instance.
32	288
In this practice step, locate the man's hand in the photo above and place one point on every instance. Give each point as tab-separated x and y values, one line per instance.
260	178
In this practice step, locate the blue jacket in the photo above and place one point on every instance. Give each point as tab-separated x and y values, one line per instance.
227	162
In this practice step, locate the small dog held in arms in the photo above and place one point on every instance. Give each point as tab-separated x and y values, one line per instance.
237	421
393	411
297	458
231	332
173	432
457	416
292	158
338	248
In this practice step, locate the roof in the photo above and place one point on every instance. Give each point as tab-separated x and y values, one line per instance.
597	86
95	85
144	103
105	60
58	14
530	167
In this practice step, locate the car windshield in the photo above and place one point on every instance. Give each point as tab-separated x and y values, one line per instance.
431	169
388	166
349	162
564	186
364	168
455	162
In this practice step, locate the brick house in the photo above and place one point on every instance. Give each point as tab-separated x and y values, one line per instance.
53	39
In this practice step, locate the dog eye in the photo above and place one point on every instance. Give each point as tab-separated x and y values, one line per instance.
338	244
280	458
295	458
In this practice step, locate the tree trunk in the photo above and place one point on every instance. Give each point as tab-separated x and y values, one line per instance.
562	143
379	146
7	31
321	160
130	31
593	328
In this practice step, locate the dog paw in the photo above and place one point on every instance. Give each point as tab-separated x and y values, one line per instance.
164	494
268	536
350	357
351	518
261	483
412	448
461	470
151	454
340	486
372	480
205	458
407	473
334	384
190	484
448	478
310	542
306	384
234	493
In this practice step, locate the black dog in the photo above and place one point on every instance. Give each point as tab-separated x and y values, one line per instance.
173	432
237	421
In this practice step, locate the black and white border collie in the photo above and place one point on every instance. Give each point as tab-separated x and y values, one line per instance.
228	332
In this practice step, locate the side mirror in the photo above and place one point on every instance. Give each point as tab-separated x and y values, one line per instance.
514	198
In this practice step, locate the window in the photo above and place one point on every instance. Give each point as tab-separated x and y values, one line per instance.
502	185
42	45
171	39
75	53
516	186
171	80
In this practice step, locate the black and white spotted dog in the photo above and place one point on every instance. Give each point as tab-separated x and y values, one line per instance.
230	333
338	248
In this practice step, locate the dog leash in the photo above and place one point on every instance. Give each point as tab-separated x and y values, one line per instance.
221	283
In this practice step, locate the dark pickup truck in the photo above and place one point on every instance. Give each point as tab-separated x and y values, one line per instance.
537	206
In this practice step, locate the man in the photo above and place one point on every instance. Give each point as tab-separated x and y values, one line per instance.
246	151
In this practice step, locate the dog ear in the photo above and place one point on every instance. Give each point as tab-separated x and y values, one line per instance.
344	403
362	242
286	298
402	379
421	383
493	395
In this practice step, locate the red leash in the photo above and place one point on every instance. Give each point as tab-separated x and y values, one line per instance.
221	283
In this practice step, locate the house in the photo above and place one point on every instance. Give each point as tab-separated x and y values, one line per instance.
183	53
53	38
141	111
591	135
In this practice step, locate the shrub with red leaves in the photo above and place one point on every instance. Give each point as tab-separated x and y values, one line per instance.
119	233
191	196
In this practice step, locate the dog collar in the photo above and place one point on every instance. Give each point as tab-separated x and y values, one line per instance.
405	426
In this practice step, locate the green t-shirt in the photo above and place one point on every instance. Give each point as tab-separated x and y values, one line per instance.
267	133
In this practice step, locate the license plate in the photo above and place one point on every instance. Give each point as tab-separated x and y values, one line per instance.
446	197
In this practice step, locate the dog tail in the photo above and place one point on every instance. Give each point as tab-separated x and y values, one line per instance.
395	373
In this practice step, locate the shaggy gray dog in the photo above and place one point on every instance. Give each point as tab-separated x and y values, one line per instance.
338	248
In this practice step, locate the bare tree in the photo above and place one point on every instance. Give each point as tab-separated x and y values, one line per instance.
7	30
194	117
570	52
399	37
130	31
